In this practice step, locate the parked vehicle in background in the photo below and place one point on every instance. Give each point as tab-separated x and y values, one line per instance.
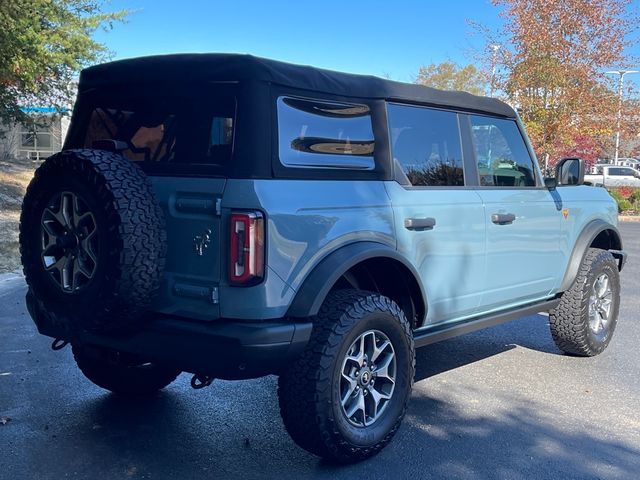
234	217
613	176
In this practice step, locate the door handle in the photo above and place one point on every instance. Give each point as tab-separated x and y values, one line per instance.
419	223
503	218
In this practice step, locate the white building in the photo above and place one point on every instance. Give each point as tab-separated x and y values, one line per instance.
35	143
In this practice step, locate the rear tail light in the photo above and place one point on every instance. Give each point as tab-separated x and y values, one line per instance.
246	259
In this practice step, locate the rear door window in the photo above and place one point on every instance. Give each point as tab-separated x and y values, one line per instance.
426	146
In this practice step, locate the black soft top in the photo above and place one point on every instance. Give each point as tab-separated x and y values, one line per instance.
198	67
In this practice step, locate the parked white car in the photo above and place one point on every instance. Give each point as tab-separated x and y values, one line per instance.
614	176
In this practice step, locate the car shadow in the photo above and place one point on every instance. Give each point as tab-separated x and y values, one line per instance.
233	430
531	332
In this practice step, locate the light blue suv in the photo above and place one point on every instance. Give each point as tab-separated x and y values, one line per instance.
234	217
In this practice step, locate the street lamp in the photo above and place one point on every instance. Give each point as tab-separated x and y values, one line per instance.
622	73
495	47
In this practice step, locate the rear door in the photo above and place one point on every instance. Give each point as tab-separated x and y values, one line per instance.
439	223
523	218
183	141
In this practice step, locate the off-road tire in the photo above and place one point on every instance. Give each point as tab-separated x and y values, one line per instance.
131	240
569	321
120	374
308	389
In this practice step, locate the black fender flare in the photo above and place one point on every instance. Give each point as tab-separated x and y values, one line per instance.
585	239
316	286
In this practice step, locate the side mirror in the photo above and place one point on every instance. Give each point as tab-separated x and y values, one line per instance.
550	182
570	171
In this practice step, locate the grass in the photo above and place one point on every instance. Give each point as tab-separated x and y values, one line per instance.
15	175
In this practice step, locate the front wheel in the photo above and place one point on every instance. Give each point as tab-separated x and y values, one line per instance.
584	321
346	395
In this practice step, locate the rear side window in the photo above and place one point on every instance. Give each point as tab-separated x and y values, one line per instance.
155	130
321	134
426	145
502	155
619	172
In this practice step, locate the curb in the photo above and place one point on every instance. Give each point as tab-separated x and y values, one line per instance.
628	218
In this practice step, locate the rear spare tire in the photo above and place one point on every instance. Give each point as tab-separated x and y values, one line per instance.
92	241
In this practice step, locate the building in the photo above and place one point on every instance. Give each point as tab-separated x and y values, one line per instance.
35	143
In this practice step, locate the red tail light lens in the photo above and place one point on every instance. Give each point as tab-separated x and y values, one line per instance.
246	259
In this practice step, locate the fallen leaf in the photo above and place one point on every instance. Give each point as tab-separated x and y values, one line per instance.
4	420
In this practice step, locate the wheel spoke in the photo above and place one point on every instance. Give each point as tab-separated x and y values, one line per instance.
80	267
376	398
352	384
383	369
604	285
357	405
66	208
378	350
67	274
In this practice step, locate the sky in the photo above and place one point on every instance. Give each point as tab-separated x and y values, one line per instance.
385	38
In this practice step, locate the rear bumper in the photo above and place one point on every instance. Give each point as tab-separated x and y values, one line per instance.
228	350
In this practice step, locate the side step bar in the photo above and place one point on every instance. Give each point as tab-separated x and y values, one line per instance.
437	333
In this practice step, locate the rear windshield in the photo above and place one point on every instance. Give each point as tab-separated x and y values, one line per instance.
163	127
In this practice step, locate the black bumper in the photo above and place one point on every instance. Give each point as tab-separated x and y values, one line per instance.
225	349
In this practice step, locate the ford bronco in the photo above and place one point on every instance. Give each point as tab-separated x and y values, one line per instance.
235	217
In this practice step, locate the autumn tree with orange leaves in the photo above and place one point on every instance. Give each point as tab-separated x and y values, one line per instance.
553	60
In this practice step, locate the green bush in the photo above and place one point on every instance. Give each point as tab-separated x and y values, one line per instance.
616	195
624	205
635	196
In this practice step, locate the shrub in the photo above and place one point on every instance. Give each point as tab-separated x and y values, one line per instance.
635	196
616	195
625	192
624	205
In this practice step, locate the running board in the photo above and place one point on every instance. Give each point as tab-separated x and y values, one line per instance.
437	333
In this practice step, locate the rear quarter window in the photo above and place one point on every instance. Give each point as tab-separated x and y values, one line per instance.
324	135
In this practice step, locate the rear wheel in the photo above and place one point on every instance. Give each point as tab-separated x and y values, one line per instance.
345	397
586	318
122	374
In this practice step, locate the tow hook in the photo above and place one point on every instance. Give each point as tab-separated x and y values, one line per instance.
200	381
59	344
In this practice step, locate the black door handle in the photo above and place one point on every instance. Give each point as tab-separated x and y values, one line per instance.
419	223
503	218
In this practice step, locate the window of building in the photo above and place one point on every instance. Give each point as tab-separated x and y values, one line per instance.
501	153
36	144
426	145
320	134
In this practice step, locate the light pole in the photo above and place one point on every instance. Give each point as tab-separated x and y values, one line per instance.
494	57
622	73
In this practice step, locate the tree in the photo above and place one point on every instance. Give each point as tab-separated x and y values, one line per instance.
43	46
450	76
554	55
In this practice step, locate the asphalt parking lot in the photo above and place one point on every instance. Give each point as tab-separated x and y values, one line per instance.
503	403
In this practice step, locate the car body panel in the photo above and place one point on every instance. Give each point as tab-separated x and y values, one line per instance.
305	221
523	257
451	256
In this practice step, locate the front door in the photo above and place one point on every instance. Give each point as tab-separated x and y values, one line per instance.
522	218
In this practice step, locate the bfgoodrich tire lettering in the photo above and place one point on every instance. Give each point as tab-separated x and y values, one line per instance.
129	240
572	324
309	390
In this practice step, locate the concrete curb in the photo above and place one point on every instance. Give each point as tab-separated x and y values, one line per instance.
629	218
